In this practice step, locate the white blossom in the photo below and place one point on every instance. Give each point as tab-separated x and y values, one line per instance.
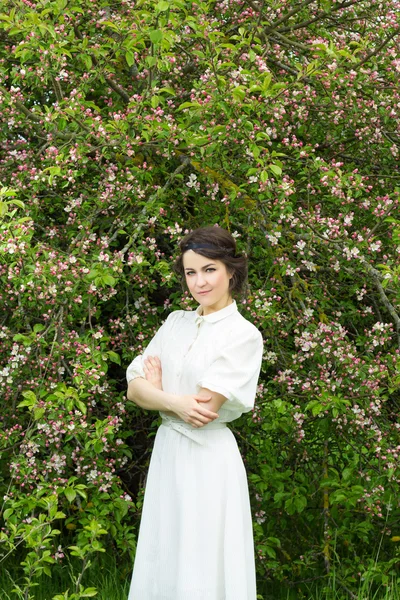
192	180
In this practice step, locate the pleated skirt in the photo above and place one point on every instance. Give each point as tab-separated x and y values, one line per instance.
195	538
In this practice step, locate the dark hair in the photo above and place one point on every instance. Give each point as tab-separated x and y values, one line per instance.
215	242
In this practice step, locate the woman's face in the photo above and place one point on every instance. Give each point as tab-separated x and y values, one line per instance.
208	281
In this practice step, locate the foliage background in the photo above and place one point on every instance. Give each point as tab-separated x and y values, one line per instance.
124	124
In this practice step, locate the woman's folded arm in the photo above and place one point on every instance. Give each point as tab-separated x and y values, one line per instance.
147	396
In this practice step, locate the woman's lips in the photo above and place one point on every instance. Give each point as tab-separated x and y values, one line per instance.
204	293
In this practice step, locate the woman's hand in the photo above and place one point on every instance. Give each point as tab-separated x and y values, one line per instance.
190	411
153	371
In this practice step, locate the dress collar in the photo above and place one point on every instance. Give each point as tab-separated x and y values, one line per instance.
215	316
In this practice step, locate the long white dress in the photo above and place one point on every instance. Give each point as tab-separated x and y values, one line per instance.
196	538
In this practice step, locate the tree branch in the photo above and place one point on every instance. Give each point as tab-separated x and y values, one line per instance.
376	276
113	85
21	107
185	162
291	43
292	12
37	121
319	16
381	220
280	64
378	49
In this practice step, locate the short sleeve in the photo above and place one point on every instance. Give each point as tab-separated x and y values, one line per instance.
135	369
235	372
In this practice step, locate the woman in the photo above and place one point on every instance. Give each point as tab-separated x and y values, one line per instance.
200	371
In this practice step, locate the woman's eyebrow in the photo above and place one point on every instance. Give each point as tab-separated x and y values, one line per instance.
205	267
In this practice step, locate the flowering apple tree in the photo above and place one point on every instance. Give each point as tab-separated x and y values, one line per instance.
123	125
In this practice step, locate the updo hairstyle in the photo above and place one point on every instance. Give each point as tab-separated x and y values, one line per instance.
217	243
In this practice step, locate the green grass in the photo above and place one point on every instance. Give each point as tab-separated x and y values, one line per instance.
112	582
332	590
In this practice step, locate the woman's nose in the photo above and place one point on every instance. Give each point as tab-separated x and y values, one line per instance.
200	280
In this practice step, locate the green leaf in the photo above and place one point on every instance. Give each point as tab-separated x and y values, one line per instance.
14	31
255	150
270	551
82	494
76	551
300	502
61	4
7	192
98	446
108	24
162	6
275	169
167	90
109	280
151	61
346	474
53	170
19	337
279	496
38	413
59	515
114	357
30	399
275	541
87	61
130	57
239	93
70	494
156	36
338	496
317	409
3	209
82	406
7	513
188	105
92	274
122	505
267	82
88	593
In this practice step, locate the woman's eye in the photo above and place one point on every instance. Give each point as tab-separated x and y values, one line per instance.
192	272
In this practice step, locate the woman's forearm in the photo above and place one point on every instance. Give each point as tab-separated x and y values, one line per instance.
145	395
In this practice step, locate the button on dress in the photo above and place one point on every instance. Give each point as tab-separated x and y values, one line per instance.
196	538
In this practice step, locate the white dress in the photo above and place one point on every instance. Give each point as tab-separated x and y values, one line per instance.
196	537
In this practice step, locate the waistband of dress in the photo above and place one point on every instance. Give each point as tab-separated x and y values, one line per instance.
216	424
